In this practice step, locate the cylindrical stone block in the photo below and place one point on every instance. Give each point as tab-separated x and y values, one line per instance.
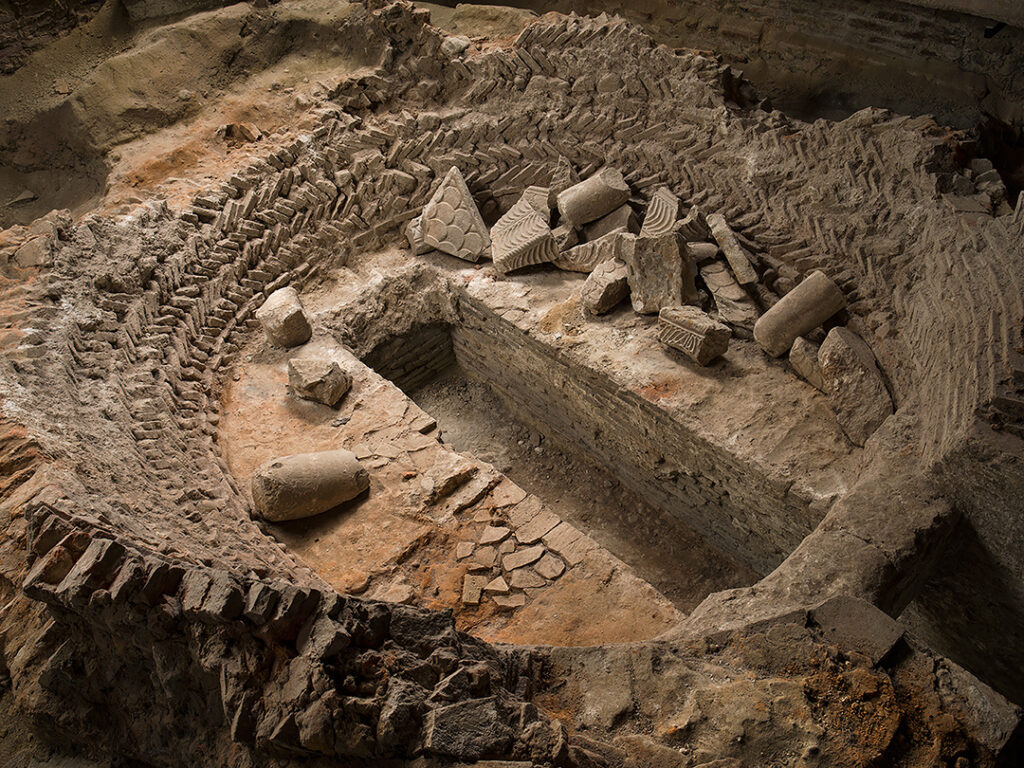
307	484
598	196
801	310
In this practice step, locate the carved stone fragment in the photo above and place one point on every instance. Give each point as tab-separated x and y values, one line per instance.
693	333
585	257
658	276
522	237
452	222
662	213
694	228
306	484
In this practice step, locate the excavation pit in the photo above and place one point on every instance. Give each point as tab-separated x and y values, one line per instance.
475	399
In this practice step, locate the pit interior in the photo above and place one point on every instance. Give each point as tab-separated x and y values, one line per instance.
498	419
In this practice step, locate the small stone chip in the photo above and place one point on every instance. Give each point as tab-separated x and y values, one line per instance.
463	550
492	534
537	528
514	600
472	587
523	557
525	578
550	566
497	586
486	556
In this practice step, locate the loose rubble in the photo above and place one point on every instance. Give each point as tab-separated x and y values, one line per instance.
318	379
284	319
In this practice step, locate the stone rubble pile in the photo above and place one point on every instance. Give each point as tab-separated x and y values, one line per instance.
694	271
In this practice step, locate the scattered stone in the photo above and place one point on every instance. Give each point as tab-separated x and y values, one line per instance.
506	547
486	556
734	305
702	253
318	379
537	528
400	593
522	238
804	359
538	197
467	730
662	213
550	567
605	287
800	311
586	257
452	222
464	549
854	624
563	178
414	235
455	45
522	557
307	484
511	602
622	219
241	132
284	318
735	254
854	384
493	534
565	236
497	585
694	228
693	333
526	578
601	194
568	542
657	277
472	588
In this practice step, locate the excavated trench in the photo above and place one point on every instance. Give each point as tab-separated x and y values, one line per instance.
617	467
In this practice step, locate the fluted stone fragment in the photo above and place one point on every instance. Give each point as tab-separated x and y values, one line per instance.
662	213
521	238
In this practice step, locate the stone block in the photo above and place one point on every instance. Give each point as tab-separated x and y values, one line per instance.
854	624
694	227
622	219
452	222
522	238
605	287
693	333
284	319
318	379
472	588
854	384
657	275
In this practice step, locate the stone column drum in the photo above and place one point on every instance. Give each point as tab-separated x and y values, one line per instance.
307	484
801	310
599	195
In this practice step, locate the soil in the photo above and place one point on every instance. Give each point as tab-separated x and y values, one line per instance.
475	421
